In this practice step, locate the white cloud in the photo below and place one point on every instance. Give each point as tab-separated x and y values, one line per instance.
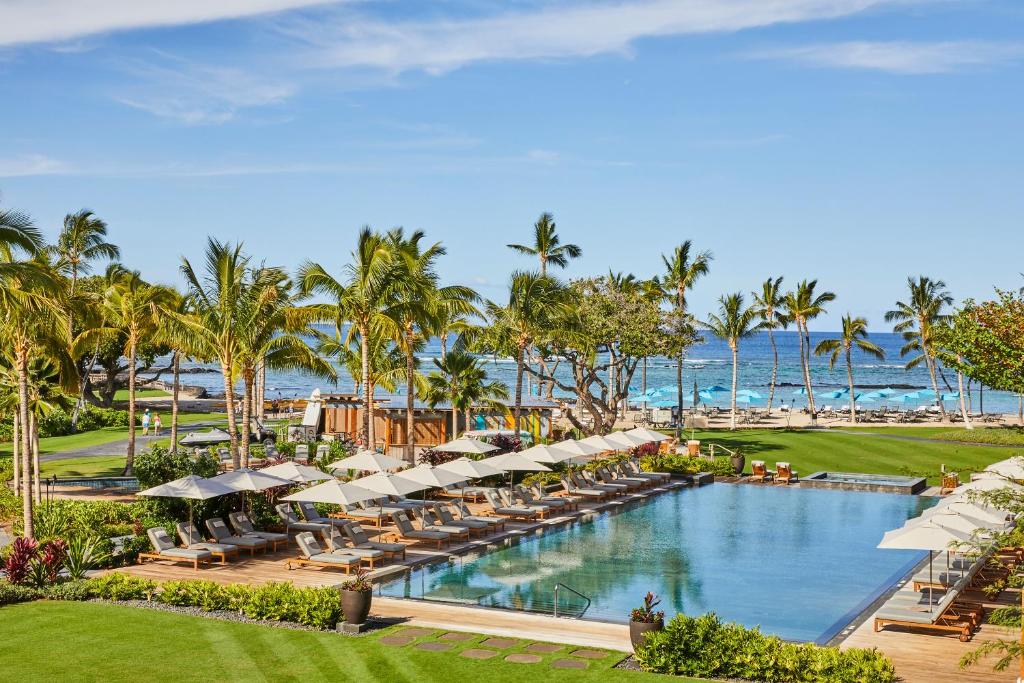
543	156
35	21
899	57
559	31
32	164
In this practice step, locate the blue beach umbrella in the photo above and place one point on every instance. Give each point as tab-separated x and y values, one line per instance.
748	392
912	396
664	403
864	398
955	396
887	391
833	394
706	395
715	389
925	393
800	392
668	389
745	398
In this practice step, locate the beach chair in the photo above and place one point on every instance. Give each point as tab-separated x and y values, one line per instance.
439	516
537	490
572	489
497	523
193	540
633	466
221	534
620	469
456	532
406	531
784	473
511	501
164	549
336	543
242	526
597	479
528	495
302	453
584	480
374	514
311	514
360	539
323	451
945	616
518	495
444	515
311	554
758	471
291	521
513	512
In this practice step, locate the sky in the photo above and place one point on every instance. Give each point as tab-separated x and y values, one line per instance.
853	141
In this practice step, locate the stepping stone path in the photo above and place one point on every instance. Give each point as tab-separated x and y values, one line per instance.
416	632
523	658
543	647
568	664
432	646
398	641
500	643
476	653
588	654
457	637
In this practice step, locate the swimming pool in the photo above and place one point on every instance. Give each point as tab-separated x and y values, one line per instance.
799	563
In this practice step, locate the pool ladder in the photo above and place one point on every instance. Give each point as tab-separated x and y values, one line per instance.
573	591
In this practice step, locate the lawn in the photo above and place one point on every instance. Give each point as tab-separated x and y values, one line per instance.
122	394
857	450
113	643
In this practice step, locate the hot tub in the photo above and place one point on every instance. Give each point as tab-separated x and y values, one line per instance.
853	481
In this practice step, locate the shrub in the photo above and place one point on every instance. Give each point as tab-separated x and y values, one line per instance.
18	565
1005	616
11	593
82	555
686	465
117	586
505	443
704	647
206	595
646	613
79	591
316	607
435	458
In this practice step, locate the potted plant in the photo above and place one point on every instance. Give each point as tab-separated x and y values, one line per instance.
739	461
356	595
645	619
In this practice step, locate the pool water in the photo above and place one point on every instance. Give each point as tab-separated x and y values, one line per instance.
799	563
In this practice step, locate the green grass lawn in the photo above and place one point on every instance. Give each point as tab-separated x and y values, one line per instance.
92	466
854	450
57	641
122	394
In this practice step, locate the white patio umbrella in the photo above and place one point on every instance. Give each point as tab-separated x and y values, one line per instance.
547	454
244	479
1012	468
334	492
648	435
192	487
598	441
925	536
962	506
579	449
389	484
514	462
987	484
466	445
367	461
294	472
470	469
624	440
433	477
958	522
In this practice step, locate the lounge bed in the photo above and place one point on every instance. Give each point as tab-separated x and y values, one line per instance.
609	475
514	512
497	523
759	471
193	540
595	480
541	508
164	549
360	539
527	496
784	473
337	543
572	489
946	615
291	520
242	525
220	533
536	490
311	554
408	532
434	516
312	515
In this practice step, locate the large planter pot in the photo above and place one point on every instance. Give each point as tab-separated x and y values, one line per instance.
738	463
355	605
638	630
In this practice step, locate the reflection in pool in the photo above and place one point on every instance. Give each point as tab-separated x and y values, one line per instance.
799	563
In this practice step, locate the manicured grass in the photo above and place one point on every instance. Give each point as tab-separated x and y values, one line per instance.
97	466
850	450
112	643
122	394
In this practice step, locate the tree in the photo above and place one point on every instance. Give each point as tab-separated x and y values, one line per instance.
682	270
770	301
547	245
733	322
854	335
916	319
461	379
361	300
803	305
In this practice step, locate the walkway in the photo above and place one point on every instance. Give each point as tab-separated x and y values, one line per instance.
120	446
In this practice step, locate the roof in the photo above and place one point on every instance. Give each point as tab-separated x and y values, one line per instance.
398	402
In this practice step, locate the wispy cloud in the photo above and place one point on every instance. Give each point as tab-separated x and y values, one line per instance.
39	164
895	57
341	39
32	164
36	21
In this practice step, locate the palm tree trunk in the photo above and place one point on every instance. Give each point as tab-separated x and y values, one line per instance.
37	492
805	360
410	397
229	403
679	395
368	427
129	463
26	445
444	345
455	421
519	387
735	362
930	363
175	388
248	381
466	422
963	405
82	386
16	452
261	393
775	370
853	395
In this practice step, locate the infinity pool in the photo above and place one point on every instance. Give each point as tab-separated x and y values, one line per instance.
799	563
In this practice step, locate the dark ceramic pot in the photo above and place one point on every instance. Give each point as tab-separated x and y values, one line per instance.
638	630
738	463
355	605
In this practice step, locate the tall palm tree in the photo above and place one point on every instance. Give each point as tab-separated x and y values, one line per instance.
917	320
682	270
183	343
360	299
133	307
535	302
547	245
854	335
733	322
770	301
461	379
802	305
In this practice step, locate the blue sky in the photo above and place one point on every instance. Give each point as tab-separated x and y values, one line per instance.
853	141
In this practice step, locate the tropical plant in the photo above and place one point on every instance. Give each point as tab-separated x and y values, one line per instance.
803	305
358	582
917	319
770	301
733	322
82	555
646	614
547	246
461	380
854	335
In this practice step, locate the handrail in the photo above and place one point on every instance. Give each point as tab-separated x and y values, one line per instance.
571	590
727	450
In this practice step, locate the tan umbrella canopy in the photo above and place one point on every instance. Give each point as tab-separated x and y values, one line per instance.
294	472
471	469
923	536
961	506
958	522
192	487
334	492
1011	468
598	441
625	440
514	462
389	484
987	484
367	461
245	479
433	477
466	445
579	449
648	435
547	454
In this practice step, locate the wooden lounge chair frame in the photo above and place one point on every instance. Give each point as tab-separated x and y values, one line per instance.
194	561
303	562
960	618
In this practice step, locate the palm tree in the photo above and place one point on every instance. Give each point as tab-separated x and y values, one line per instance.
733	322
803	305
361	300
917	320
854	335
769	302
461	379
535	302
181	340
547	246
133	308
681	273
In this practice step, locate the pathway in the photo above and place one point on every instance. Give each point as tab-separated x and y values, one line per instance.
120	446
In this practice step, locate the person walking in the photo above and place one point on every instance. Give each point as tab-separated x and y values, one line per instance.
145	422
156	424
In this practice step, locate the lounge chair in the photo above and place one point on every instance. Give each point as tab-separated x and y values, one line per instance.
758	471
407	531
557	502
242	525
456	532
595	480
513	499
625	469
291	520
360	539
538	491
445	520
338	544
610	476
164	549
497	523
220	533
312	515
514	512
193	540
302	453
313	555
784	473
944	616
375	515
572	489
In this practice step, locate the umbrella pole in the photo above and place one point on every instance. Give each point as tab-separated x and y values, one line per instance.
931	583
